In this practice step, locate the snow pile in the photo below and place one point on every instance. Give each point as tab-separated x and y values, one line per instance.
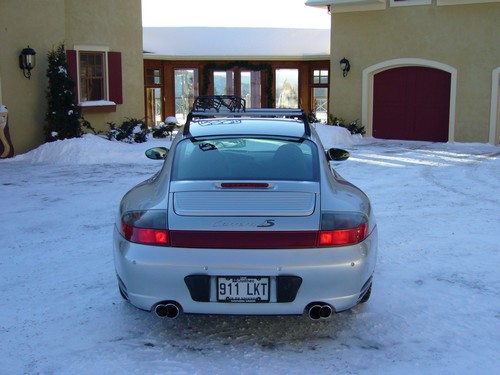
92	149
336	136
89	149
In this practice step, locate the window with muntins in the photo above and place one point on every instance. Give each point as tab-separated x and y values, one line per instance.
153	76
154	95
97	74
319	94
320	77
92	75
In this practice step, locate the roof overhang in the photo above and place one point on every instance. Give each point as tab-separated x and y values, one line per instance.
341	6
150	56
209	43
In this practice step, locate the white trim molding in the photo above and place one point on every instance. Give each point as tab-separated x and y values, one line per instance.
90	48
367	89
462	2
494	136
342	6
405	3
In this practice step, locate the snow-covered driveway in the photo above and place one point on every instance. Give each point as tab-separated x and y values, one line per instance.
435	306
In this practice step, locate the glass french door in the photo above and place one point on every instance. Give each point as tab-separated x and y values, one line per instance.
154	96
251	88
246	84
186	90
320	103
224	82
287	88
153	108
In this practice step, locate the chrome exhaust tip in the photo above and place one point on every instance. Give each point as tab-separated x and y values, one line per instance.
167	310
320	311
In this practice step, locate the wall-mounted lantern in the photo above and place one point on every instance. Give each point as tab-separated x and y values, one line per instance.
27	61
345	66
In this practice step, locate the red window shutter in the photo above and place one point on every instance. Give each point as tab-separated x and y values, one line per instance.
115	77
72	62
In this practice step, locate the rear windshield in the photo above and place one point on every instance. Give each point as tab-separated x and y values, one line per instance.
245	159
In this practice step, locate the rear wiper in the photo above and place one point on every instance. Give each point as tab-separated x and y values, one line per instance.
207	146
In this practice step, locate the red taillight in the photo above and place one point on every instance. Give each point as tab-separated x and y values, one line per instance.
146	227
342	236
341	228
146	236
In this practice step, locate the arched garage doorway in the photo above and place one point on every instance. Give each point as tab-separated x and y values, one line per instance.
412	103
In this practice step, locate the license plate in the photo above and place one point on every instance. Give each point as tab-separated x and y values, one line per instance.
242	289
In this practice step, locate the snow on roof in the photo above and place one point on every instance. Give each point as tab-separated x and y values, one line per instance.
232	43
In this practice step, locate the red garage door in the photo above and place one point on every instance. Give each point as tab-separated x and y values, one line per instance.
412	103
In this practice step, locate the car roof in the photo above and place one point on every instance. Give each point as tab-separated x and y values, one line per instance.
227	115
227	126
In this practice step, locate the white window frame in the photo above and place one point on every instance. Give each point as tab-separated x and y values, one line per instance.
93	48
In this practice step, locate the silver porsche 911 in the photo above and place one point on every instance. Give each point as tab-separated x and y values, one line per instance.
246	217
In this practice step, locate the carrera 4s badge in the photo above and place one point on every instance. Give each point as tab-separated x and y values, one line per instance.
244	224
265	224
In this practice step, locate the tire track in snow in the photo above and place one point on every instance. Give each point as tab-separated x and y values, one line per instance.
473	168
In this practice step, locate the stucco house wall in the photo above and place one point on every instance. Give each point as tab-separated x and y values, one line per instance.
459	38
42	25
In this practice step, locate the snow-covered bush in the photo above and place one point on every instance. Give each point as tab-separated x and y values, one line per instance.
130	131
352	126
163	130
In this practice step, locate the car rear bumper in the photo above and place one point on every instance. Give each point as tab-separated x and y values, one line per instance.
336	276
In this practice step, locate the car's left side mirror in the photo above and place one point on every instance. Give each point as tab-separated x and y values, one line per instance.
157	153
337	154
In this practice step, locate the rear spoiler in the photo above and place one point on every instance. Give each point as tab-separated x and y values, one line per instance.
235	106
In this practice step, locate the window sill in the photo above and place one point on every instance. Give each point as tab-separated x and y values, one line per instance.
98	106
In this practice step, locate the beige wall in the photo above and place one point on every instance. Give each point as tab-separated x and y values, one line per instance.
463	37
43	24
22	23
119	26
